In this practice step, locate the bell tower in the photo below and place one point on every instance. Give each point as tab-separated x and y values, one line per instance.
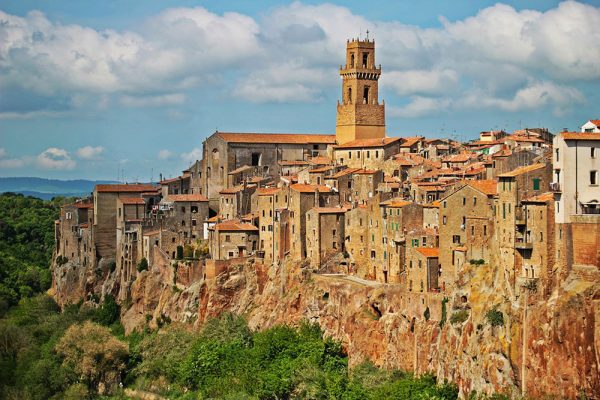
359	114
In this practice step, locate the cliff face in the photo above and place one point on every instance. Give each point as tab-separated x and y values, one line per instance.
543	345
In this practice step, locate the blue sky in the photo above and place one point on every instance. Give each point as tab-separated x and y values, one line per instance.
91	88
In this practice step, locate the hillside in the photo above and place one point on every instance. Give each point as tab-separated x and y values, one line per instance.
48	188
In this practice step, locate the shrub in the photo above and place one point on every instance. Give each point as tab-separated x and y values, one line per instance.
61	260
459	317
112	266
495	317
444	312
188	251
142	265
109	312
476	262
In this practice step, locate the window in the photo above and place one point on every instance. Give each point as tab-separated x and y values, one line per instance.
376	153
194	223
352	60
485	230
256	159
593	152
368	154
349	155
557	157
227	238
231	254
366	95
424	239
464	201
593	177
183	209
372	254
349	95
445	204
182	222
365	60
474	201
472	230
444	220
455	239
536	183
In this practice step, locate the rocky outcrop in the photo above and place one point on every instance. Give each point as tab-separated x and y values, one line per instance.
540	346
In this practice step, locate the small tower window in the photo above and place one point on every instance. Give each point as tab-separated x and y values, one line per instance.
352	60
349	95
366	95
365	60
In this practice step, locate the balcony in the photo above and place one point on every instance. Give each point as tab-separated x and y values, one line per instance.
523	244
555	187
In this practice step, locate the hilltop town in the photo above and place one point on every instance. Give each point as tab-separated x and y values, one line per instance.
488	248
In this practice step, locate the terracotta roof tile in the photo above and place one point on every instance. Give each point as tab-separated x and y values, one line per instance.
429	252
542	198
267	191
132	200
345	172
234	225
580	135
395	203
410	141
364	143
306	188
522	170
124	188
275	138
488	187
238	170
290	163
320	169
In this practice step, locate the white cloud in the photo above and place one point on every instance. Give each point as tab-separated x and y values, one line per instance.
420	106
10	163
192	156
165	154
153	101
90	152
55	158
291	54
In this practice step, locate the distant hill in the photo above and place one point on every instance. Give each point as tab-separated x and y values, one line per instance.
48	188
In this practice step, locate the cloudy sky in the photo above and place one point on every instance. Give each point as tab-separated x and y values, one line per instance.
89	88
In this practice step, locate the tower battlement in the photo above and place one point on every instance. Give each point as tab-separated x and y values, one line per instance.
359	114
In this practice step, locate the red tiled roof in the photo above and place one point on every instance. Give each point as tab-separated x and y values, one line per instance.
232	190
464	157
171	180
410	141
320	160
186	197
124	188
132	200
84	205
542	198
275	138
360	143
395	203
267	191
320	169
595	122
429	252
363	171
522	170
306	188
233	225
580	136
345	172
487	186
240	169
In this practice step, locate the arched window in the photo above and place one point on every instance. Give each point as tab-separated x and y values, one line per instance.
366	95
215	154
349	95
352	60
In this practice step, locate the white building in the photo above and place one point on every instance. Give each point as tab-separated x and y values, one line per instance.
576	174
592	125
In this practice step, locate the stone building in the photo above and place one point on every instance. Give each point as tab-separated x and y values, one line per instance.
366	153
514	187
535	240
186	216
234	202
423	270
399	216
469	207
232	239
576	183
74	234
359	114
224	152
105	214
267	213
325	234
303	197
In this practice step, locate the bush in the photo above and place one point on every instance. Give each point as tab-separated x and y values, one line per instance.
142	265
476	262
112	266
188	251
109	312
444	312
495	317
61	260
459	317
